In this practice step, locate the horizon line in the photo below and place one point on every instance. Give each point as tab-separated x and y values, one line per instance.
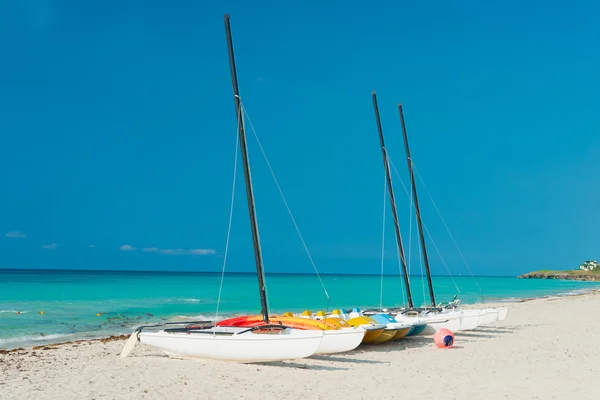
239	272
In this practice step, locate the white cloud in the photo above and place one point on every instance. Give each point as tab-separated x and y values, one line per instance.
175	252
203	252
49	246
16	235
127	247
178	252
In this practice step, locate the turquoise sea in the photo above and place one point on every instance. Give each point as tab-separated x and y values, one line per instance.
71	300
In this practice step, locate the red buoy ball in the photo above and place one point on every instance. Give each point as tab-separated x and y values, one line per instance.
444	339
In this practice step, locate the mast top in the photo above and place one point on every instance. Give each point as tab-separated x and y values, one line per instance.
247	177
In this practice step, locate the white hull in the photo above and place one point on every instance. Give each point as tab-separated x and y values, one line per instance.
492	316
434	322
502	313
339	341
471	319
238	347
450	321
396	326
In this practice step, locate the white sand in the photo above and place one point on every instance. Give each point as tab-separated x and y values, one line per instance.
546	349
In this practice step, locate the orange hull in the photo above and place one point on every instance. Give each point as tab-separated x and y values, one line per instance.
292	322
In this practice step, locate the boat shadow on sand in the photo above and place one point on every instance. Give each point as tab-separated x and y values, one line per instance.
341	359
397	345
487	332
297	365
350	356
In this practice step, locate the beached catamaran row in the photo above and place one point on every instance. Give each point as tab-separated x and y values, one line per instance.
266	337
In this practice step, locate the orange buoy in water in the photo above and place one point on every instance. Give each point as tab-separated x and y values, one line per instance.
18	312
41	312
444	339
97	315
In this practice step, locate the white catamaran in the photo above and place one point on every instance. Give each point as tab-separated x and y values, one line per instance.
269	342
451	316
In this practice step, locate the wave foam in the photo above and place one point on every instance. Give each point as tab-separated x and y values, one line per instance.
14	311
32	339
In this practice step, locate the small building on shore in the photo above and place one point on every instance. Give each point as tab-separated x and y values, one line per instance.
590	265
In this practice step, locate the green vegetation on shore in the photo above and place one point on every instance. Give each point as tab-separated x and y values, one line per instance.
574	274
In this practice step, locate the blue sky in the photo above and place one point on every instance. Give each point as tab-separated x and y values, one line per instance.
117	129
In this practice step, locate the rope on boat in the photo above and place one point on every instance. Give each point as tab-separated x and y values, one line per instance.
421	265
449	233
400	257
383	244
427	230
235	163
286	205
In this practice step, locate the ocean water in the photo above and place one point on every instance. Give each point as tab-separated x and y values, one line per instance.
72	300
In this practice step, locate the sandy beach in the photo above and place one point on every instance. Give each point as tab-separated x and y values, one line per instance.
545	349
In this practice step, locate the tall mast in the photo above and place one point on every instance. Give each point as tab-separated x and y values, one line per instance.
247	177
417	210
388	178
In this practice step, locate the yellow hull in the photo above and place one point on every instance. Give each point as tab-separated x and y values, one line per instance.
337	322
322	325
372	336
401	333
331	319
384	336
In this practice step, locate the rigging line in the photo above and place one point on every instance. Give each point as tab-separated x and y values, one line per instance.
447	229
419	247
383	243
410	221
286	204
422	274
243	122
399	255
440	256
235	163
409	235
427	230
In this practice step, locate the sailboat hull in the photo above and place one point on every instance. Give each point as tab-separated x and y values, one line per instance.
417	329
243	348
372	335
335	339
471	319
393	329
492	316
502	313
402	333
385	336
292	322
342	340
374	330
437	322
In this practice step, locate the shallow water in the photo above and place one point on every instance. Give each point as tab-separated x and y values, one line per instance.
72	300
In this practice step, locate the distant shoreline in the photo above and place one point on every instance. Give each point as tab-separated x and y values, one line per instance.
569	275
